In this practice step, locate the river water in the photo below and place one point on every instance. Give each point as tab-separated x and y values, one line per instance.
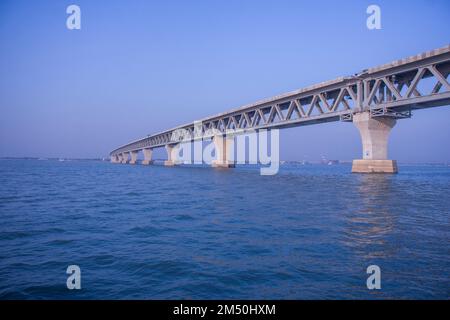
152	232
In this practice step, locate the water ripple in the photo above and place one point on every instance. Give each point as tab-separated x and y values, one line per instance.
165	233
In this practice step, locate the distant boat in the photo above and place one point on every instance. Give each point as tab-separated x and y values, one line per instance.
61	159
332	162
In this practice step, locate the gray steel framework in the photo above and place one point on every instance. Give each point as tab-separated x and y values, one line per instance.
393	89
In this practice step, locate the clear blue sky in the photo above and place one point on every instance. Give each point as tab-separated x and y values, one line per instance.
137	67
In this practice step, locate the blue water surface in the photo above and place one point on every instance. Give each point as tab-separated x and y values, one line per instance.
152	232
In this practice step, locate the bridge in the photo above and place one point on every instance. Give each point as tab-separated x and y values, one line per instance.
373	100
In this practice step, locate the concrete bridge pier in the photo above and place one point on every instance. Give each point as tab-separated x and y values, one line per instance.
147	156
224	147
172	155
374	133
114	159
133	157
124	157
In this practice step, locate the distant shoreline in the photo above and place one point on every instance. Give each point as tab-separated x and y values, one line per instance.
282	162
54	159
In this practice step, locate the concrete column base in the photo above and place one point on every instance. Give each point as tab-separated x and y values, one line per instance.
133	157
222	164
172	155
124	158
224	147
374	166
147	156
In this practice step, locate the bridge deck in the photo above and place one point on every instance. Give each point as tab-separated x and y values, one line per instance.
392	89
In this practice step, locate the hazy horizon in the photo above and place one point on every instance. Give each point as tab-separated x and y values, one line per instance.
313	161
